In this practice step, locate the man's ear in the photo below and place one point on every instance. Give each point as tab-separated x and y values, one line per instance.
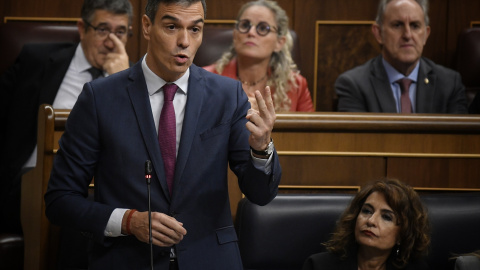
146	26
377	32
81	28
427	34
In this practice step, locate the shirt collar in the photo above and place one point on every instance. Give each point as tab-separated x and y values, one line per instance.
80	60
154	82
394	75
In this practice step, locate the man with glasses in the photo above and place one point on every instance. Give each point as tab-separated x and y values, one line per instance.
54	74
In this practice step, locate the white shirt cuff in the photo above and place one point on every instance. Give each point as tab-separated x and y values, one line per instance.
114	225
262	164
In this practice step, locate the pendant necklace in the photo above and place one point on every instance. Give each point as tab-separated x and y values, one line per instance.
251	83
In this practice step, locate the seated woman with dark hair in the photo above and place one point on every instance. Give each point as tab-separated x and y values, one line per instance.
385	227
260	56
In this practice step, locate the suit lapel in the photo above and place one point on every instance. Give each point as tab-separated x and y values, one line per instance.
381	87
55	70
195	98
425	88
138	93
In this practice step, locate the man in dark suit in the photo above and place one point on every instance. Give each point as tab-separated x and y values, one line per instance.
118	123
401	29
54	74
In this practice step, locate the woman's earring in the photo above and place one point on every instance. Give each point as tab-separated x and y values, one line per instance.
398	249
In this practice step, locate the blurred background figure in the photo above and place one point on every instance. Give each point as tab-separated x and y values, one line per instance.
260	56
470	261
54	73
385	227
400	80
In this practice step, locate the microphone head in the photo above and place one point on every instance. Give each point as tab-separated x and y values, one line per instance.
148	167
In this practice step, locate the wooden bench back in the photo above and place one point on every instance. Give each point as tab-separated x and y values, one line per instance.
41	238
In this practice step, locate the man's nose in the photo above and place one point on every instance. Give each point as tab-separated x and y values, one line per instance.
183	38
407	33
108	43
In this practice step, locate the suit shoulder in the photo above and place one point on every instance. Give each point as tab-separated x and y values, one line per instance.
439	69
42	51
359	71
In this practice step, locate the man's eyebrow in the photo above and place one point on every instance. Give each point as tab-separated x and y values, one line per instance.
198	21
102	24
169	17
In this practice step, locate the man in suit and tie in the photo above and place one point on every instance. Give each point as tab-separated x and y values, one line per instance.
54	73
400	79
192	125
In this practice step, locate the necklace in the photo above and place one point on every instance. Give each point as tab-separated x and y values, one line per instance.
251	83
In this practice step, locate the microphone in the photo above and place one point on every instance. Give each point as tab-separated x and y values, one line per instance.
148	176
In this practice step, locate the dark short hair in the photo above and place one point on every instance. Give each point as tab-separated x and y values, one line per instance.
152	6
383	4
118	7
411	217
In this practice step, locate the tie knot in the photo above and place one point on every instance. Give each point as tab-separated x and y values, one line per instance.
95	72
404	84
169	91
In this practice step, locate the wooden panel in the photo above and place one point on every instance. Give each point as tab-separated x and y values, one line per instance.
316	170
460	15
456	173
339	46
334	151
228	10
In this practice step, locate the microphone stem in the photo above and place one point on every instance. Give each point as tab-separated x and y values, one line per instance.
150	238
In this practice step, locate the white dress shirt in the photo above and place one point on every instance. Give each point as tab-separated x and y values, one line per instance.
71	86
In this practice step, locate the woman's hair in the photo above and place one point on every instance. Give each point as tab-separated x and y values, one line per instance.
414	233
283	68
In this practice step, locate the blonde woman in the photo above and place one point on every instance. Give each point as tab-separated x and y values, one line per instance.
260	56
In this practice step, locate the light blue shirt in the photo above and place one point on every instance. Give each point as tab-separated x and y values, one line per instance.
394	75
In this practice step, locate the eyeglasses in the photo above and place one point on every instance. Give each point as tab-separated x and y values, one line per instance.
103	31
262	28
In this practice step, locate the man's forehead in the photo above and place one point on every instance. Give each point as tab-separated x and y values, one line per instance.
107	17
398	9
176	9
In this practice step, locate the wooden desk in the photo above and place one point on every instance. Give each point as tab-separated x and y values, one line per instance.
318	152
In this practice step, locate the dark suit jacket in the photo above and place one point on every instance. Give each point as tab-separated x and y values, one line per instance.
110	134
329	261
33	79
366	89
474	107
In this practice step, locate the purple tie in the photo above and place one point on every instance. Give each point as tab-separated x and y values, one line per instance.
167	134
405	98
